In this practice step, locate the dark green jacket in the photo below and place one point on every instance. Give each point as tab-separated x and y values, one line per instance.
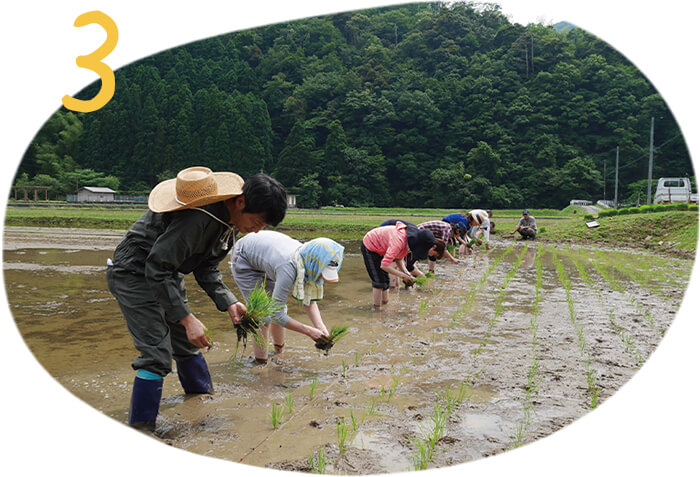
165	246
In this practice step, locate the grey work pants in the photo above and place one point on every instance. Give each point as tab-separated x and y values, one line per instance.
155	335
528	233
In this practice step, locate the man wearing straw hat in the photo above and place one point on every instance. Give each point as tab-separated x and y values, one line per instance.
191	226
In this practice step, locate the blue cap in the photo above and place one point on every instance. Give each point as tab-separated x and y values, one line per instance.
526	212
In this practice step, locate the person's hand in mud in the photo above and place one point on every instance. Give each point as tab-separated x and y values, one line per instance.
408	281
196	331
323	343
236	312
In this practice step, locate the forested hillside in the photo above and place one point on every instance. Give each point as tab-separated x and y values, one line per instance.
424	104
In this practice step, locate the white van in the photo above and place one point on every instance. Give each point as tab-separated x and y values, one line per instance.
674	189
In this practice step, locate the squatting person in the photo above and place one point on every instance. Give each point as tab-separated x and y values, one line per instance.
527	226
191	226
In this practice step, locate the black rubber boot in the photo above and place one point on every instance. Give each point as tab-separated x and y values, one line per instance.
194	375
145	402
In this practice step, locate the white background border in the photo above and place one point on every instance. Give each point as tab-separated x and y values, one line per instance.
649	427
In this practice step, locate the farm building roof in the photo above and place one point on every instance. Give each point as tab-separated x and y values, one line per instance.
99	189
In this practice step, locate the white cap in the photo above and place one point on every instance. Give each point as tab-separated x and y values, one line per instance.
330	273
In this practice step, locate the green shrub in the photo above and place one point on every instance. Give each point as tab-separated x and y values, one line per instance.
634	210
587	217
646	209
543	229
681	206
658	208
693	207
623	211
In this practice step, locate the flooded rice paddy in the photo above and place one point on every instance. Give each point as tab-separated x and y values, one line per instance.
503	349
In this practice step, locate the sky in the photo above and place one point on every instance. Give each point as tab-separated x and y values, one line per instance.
649	427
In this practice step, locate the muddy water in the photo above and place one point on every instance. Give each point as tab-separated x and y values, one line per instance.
526	370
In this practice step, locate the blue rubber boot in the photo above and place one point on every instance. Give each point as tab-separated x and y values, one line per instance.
194	375
145	402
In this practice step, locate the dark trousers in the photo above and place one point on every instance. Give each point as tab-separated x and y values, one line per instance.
157	338
373	264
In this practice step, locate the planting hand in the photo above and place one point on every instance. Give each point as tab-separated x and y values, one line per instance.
236	311
196	331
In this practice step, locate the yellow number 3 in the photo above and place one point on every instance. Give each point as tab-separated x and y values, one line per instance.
93	62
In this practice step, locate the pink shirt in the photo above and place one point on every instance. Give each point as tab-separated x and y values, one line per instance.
389	241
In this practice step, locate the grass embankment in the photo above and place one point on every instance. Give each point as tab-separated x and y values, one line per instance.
672	231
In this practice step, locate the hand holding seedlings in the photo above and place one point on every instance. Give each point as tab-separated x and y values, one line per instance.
325	343
236	312
260	305
196	331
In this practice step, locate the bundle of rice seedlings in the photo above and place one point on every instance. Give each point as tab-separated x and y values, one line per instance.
325	343
259	305
429	275
421	280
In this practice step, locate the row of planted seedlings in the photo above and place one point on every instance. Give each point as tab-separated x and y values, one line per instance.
533	375
499	300
625	336
640	271
445	402
468	297
348	425
591	378
611	275
294	404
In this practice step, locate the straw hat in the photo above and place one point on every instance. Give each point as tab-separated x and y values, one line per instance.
194	187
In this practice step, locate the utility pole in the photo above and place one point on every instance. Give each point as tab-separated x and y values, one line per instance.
617	167
651	159
605	162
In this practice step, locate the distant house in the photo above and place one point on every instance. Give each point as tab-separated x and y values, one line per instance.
95	194
291	201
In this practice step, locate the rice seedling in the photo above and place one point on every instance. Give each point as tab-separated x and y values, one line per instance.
341	430
463	392
318	464
423	306
372	406
429	275
423	456
312	388
591	382
395	379
344	368
325	343
258	306
353	421
289	403
276	417
208	334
